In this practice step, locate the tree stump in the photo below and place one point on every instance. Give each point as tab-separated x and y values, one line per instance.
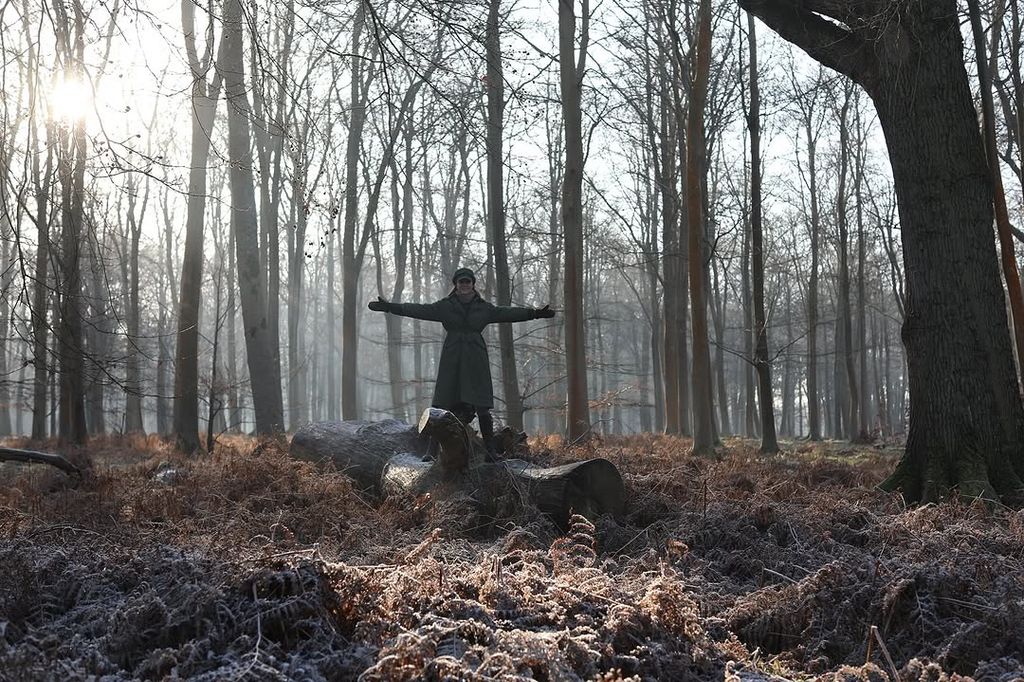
442	458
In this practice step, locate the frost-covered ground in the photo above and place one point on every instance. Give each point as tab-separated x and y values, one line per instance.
247	565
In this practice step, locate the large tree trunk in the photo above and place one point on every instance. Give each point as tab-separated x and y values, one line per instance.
265	381
966	421
965	411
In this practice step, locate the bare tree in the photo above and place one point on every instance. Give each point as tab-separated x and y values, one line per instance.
204	97
762	361
1008	258
41	174
810	120
847	400
496	211
265	381
71	171
572	66
703	427
966	419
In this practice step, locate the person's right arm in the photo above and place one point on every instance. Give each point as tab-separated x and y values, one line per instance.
420	311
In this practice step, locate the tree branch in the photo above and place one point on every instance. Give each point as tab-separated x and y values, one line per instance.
825	41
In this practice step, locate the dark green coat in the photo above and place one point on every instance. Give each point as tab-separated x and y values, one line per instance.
464	371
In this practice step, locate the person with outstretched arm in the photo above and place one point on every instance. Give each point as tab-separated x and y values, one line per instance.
464	384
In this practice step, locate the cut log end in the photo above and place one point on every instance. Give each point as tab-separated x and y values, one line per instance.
591	488
457	453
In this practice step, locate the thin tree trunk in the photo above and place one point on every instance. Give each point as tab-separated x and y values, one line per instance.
719	305
496	212
556	391
571	75
213	402
1006	249
266	384
674	288
789	404
270	133
769	444
234	403
204	111
332	369
98	335
349	259
813	400
7	233
750	420
703	428
41	288
864	426
70	332
847	398
133	379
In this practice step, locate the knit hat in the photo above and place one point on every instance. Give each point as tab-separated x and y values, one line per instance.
463	272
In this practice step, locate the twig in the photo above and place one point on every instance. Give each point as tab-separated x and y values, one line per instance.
259	637
961	602
279	555
885	652
63	526
779	575
704	515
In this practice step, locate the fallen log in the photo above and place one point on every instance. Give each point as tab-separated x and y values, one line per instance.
33	457
360	449
442	458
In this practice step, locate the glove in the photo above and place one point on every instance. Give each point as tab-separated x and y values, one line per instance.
380	305
546	311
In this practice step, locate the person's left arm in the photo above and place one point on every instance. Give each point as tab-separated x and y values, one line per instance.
508	313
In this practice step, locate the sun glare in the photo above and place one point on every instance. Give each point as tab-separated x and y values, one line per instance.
70	100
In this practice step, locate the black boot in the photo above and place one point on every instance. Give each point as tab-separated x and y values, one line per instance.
486	423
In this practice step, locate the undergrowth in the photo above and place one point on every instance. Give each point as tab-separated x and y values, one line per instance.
246	564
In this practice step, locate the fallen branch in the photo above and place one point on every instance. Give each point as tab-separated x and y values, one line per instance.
33	457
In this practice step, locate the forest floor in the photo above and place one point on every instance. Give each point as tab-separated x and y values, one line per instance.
247	565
